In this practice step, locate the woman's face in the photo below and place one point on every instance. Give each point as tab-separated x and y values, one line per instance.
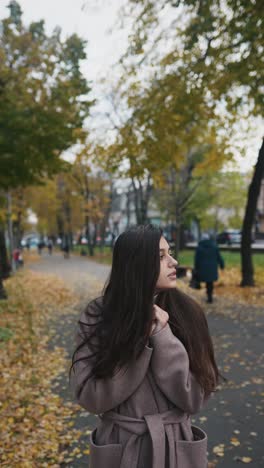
167	276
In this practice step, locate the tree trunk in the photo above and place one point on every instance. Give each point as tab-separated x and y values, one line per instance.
177	240
142	196
60	225
148	192
10	230
136	201
17	224
67	217
250	213
128	209
89	236
178	224
4	265
143	203
105	221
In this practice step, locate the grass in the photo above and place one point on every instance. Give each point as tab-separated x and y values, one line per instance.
100	255
232	259
186	257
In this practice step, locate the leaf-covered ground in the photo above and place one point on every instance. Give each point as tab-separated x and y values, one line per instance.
228	287
33	419
41	425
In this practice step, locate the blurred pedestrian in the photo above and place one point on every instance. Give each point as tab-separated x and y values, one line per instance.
144	361
50	246
18	258
112	239
40	246
66	249
206	262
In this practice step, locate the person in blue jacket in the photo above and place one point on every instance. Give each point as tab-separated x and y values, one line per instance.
207	260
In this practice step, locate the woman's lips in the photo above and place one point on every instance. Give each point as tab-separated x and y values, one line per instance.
172	275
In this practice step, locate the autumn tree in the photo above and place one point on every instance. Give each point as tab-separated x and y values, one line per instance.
56	206
94	186
232	58
219	201
126	159
71	201
43	202
219	44
43	99
170	140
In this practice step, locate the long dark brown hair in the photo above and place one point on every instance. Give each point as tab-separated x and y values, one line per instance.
188	323
118	325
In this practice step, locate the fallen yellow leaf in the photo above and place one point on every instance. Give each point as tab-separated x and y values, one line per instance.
246	459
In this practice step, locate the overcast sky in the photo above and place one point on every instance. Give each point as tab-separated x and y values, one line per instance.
104	48
91	23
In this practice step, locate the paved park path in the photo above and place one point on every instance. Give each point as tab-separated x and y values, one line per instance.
233	419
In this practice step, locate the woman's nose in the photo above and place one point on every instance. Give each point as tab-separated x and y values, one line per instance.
173	262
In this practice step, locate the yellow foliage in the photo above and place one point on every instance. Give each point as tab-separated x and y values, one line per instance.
33	418
227	290
228	286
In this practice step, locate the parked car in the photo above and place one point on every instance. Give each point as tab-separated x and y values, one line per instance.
83	240
31	241
108	240
230	236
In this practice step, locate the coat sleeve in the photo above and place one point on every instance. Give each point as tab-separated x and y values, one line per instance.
170	367
101	395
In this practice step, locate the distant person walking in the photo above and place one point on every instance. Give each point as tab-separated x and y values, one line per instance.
50	246
18	258
206	262
66	250
40	246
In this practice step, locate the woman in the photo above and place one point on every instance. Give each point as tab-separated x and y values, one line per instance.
144	361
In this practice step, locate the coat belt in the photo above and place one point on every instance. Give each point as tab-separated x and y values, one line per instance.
154	424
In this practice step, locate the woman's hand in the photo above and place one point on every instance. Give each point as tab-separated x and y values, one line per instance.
160	319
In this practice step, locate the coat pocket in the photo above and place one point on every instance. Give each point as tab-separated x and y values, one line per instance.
192	454
104	456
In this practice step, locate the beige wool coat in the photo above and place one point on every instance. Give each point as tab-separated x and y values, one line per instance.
144	411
